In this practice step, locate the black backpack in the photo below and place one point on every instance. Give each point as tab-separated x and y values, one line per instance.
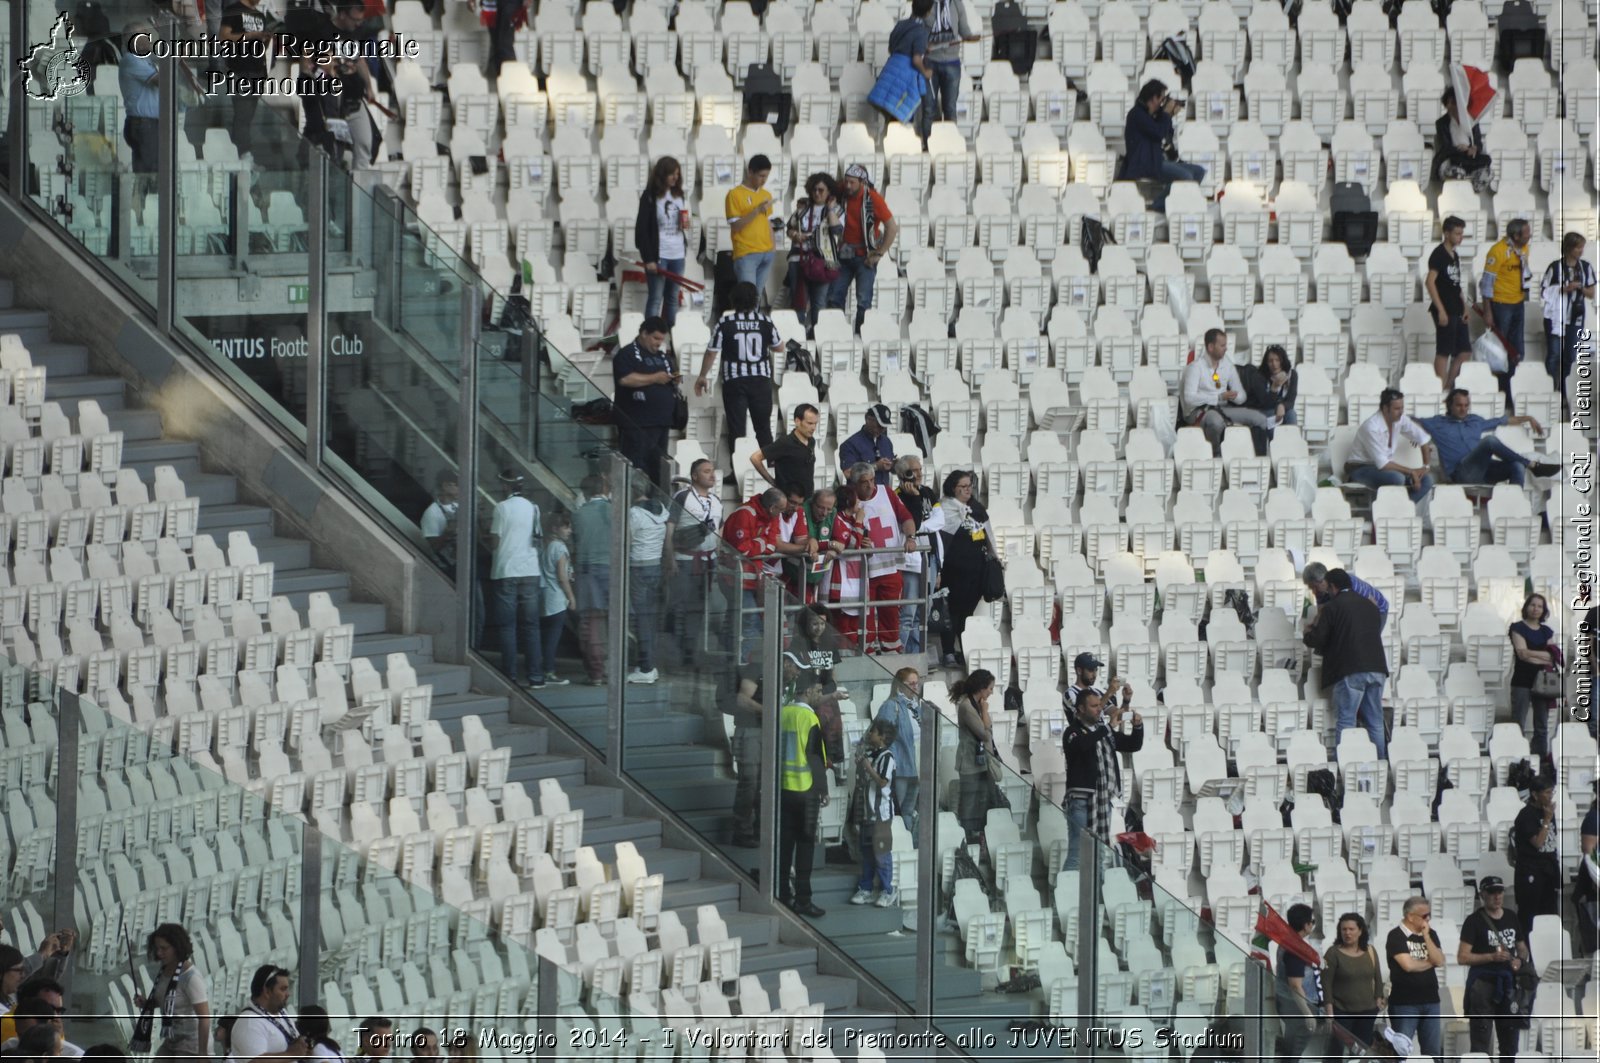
1015	41
801	359
1177	51
1092	240
1520	34
921	426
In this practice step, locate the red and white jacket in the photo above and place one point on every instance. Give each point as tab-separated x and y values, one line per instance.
752	532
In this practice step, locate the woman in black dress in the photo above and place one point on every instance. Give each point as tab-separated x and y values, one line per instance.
964	544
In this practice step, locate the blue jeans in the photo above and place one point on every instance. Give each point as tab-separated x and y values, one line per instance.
911	615
661	294
876	871
750	629
1077	810
1360	696
1420	1022
516	614
854	271
906	789
1508	319
1491	462
1374	477
753	268
1176	171
550	628
644	600
939	102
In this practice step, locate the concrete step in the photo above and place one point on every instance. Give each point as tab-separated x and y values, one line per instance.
528	770
447	679
689	895
257	520
209	488
286	555
298	584
688	794
182	455
61	359
777	957
135	425
597	802
417	646
641	831
32	326
8	294
108	391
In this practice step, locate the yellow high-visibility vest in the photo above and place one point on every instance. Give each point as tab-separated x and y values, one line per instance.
796	722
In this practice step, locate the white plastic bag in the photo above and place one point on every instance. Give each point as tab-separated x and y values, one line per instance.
1488	349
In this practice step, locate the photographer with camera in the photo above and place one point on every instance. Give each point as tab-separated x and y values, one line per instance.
1494	949
1092	746
1147	134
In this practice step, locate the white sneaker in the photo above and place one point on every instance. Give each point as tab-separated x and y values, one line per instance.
889	900
637	676
862	897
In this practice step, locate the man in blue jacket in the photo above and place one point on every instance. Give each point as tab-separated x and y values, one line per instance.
1469	451
1317	581
1149	126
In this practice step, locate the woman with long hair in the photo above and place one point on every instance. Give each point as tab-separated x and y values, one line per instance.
974	748
1282	383
814	231
1532	645
963	546
1352	980
179	994
661	233
314	1026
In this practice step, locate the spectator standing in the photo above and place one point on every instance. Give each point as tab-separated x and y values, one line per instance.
1452	342
814	232
1092	745
818	512
1315	577
141	106
1459	154
869	232
926	518
1085	671
1353	979
892	534
696	519
1414	954
963	550
40	1006
1469	451
591	536
439	520
179	992
873	805
1531	649
1504	285
794	457
842	583
661	233
952	25
12	974
747	707
244	21
516	536
748	207
1348	635
909	38
313	1024
1299	988
804	780
646	392
265	1031
1493	948
1567	284
1538	862
974	748
559	597
1372	456
51	958
1212	396
746	340
503	18
871	444
647	542
903	711
752	530
1146	133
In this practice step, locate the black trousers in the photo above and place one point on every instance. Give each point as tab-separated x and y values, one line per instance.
752	396
645	447
143	136
502	37
1484	1016
797	845
1538	892
239	127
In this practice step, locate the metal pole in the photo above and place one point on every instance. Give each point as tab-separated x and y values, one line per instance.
467	470
1255	999
617	631
310	912
69	714
1088	943
927	855
771	706
167	195
317	310
528	389
548	996
17	124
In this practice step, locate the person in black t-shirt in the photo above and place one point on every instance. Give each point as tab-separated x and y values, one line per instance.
245	24
746	340
794	457
645	397
1452	341
1414	955
1299	989
1538	863
1494	947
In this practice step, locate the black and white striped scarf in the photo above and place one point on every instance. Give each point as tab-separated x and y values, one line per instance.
1107	783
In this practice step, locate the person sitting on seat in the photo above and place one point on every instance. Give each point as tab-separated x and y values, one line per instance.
1372	457
1458	148
1469	450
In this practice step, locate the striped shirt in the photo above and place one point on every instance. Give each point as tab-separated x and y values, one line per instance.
745	341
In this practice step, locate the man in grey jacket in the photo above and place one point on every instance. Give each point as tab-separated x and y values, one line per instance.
951	25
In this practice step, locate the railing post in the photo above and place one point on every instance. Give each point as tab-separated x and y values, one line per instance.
69	715
771	747
310	912
317	310
548	994
617	630
17	162
1088	940
167	195
927	857
1255	1003
467	469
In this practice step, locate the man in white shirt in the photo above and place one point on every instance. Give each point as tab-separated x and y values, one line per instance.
696	519
1212	396
1372	456
438	521
515	536
264	1031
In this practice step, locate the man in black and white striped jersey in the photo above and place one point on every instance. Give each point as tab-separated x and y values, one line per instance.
746	339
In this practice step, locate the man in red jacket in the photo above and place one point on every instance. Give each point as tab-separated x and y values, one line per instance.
889	526
754	529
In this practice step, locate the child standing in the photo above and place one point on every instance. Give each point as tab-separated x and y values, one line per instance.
559	598
874	804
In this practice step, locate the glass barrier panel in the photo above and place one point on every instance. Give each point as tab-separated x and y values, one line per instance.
32	777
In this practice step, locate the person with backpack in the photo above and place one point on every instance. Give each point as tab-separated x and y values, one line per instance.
661	233
1493	949
869	232
691	562
814	231
1146	133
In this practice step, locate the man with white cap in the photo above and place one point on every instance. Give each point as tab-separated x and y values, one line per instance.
869	232
871	444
